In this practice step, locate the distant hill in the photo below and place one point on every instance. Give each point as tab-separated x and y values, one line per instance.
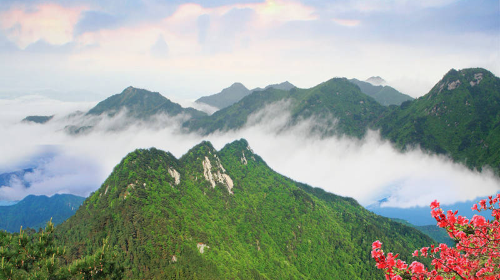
385	95
35	211
282	86
337	102
226	97
141	103
460	117
226	215
235	93
440	235
38	119
376	81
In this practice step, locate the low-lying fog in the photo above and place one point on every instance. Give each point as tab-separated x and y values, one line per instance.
368	170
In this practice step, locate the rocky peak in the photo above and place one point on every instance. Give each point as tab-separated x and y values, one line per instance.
455	79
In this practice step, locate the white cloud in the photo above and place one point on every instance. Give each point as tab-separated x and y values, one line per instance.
367	169
49	22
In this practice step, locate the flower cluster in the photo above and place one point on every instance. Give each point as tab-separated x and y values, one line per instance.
476	254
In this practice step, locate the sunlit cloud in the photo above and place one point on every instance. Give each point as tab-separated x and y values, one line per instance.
48	22
192	49
347	22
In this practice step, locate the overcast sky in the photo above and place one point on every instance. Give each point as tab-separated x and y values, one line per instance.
88	50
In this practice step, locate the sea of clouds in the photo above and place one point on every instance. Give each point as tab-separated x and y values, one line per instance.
367	169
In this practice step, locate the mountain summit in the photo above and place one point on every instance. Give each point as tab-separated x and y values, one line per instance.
236	92
376	81
226	215
226	97
459	117
140	103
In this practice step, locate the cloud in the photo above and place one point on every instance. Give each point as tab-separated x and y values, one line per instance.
99	44
49	22
61	173
347	22
368	169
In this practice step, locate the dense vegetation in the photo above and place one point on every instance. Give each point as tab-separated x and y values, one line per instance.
35	211
385	95
339	106
440	235
459	117
171	222
34	255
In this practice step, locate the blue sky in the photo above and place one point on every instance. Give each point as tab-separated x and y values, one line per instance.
87	50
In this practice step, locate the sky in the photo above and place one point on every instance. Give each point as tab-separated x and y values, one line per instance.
88	50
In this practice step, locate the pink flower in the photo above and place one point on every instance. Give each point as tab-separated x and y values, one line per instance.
474	207
417	267
434	204
478	221
376	245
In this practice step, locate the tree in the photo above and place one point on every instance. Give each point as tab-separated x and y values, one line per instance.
476	254
32	255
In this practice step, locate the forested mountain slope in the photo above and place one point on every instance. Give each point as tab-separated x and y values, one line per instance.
226	215
338	105
35	211
141	103
459	117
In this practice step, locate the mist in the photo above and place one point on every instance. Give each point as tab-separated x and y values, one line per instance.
368	169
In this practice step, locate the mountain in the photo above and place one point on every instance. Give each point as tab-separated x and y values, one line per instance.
385	95
339	105
282	86
440	235
38	119
235	93
376	81
35	211
460	117
226	97
142	104
226	215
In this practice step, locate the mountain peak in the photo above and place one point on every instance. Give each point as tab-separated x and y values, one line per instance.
455	79
376	81
237	85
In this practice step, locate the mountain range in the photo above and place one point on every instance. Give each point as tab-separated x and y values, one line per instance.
459	117
35	211
226	215
235	93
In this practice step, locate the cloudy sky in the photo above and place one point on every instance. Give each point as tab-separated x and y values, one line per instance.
88	50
